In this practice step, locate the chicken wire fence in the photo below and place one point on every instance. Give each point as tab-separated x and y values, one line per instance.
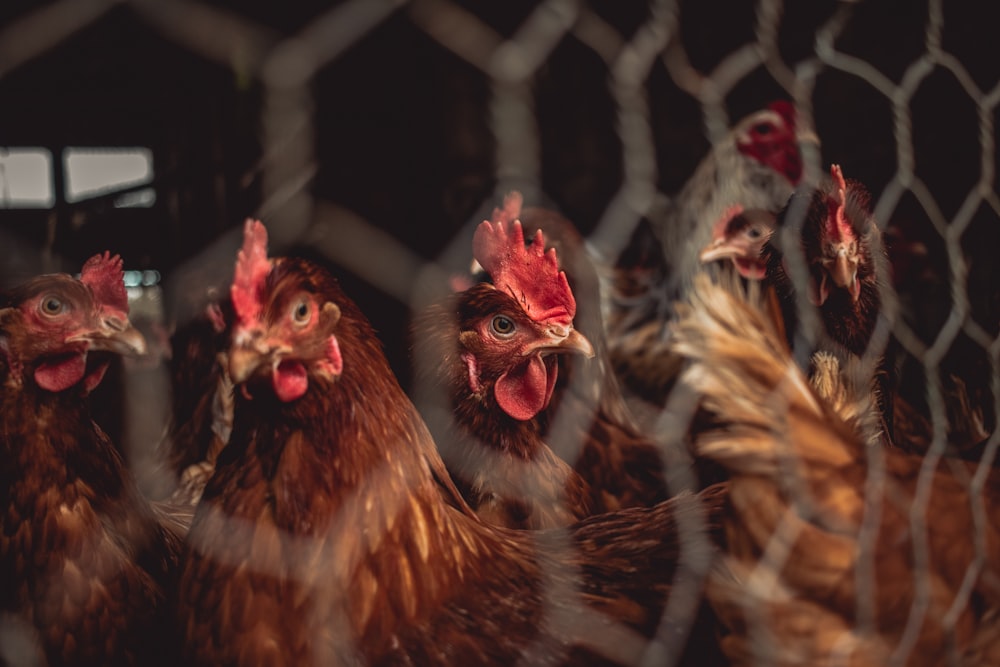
381	132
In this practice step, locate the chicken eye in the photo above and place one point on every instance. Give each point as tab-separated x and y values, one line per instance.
301	312
754	233
52	305
502	325
763	128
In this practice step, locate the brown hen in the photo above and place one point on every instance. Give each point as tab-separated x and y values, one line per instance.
590	423
493	350
583	419
822	256
83	561
323	537
837	552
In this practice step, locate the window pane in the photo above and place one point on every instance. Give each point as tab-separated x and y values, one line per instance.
26	178
95	171
136	199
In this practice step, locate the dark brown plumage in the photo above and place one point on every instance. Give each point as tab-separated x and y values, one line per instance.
825	563
499	460
201	396
830	231
324	537
502	465
201	412
590	424
83	561
832	226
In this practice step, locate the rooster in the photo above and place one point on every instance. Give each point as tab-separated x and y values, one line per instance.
836	552
83	560
324	536
756	166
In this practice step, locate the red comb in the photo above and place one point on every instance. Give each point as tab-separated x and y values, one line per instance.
529	274
511	210
104	276
785	109
837	226
252	267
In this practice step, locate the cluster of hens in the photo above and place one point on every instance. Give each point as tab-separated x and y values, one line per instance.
696	453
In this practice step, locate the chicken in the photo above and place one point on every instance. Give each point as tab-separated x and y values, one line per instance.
844	255
493	349
590	423
966	434
201	411
744	238
756	166
324	536
836	552
84	562
831	229
585	423
739	236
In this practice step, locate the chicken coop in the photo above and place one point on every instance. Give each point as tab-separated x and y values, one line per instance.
374	136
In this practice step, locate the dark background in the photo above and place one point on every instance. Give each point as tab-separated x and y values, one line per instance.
404	139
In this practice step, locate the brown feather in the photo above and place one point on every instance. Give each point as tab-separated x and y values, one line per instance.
369	562
503	466
803	482
84	565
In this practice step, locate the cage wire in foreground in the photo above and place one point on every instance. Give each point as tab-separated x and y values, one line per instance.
599	109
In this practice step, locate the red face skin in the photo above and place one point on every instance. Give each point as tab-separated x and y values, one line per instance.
59	320
267	333
740	235
516	353
839	246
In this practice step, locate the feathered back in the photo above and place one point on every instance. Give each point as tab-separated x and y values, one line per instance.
743	369
824	558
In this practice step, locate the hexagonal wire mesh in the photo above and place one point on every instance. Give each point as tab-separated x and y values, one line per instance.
598	110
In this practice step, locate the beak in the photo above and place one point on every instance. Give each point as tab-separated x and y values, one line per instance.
117	335
720	249
249	353
563	339
843	270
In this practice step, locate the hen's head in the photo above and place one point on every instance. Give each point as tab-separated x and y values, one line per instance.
844	256
769	136
50	326
510	328
284	329
837	233
739	236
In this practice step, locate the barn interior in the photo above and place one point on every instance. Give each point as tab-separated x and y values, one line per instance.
375	135
379	133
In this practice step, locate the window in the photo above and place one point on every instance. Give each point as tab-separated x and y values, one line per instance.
92	172
26	178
